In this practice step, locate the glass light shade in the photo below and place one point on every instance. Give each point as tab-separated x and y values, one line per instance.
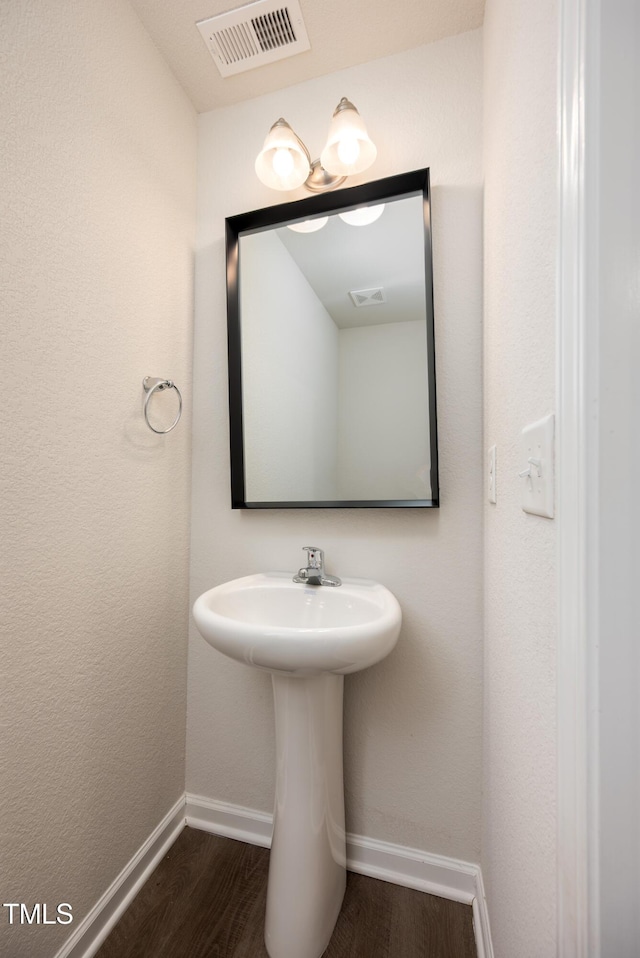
348	149
363	215
283	162
309	226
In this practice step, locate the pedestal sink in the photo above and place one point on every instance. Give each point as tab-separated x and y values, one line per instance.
309	637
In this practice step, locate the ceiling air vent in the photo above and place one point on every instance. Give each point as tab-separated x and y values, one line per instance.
255	34
367	297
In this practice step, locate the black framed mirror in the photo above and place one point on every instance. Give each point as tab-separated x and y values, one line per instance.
332	389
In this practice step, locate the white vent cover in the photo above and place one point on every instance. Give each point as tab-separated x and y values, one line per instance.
255	34
367	297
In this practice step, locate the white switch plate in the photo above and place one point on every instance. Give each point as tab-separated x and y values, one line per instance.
538	485
491	474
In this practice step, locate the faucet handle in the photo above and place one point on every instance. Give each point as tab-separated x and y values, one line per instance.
315	557
313	574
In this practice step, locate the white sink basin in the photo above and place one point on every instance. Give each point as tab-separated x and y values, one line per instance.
273	623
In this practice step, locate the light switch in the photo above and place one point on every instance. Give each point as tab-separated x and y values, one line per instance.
537	474
491	474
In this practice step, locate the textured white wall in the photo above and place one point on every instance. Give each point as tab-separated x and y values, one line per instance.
413	723
520	550
98	212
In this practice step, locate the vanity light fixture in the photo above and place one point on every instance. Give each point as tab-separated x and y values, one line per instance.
284	162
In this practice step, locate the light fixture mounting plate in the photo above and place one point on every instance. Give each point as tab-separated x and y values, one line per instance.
319	181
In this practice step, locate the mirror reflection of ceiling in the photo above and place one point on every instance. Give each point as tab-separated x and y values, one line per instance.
342	34
387	255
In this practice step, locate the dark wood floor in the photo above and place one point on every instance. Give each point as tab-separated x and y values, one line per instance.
206	899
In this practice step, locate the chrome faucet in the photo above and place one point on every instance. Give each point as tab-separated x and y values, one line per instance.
313	573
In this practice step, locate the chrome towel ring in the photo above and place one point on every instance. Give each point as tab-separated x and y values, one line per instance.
150	385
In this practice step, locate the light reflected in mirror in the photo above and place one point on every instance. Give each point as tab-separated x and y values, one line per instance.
309	226
335	357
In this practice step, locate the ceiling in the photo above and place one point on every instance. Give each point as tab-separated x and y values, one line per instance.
343	33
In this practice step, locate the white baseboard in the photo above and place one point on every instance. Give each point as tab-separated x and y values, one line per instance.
232	821
94	928
481	929
435	874
444	877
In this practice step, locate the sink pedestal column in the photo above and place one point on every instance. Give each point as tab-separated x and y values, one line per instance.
307	868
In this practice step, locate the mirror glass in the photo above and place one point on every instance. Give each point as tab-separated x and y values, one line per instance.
331	358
